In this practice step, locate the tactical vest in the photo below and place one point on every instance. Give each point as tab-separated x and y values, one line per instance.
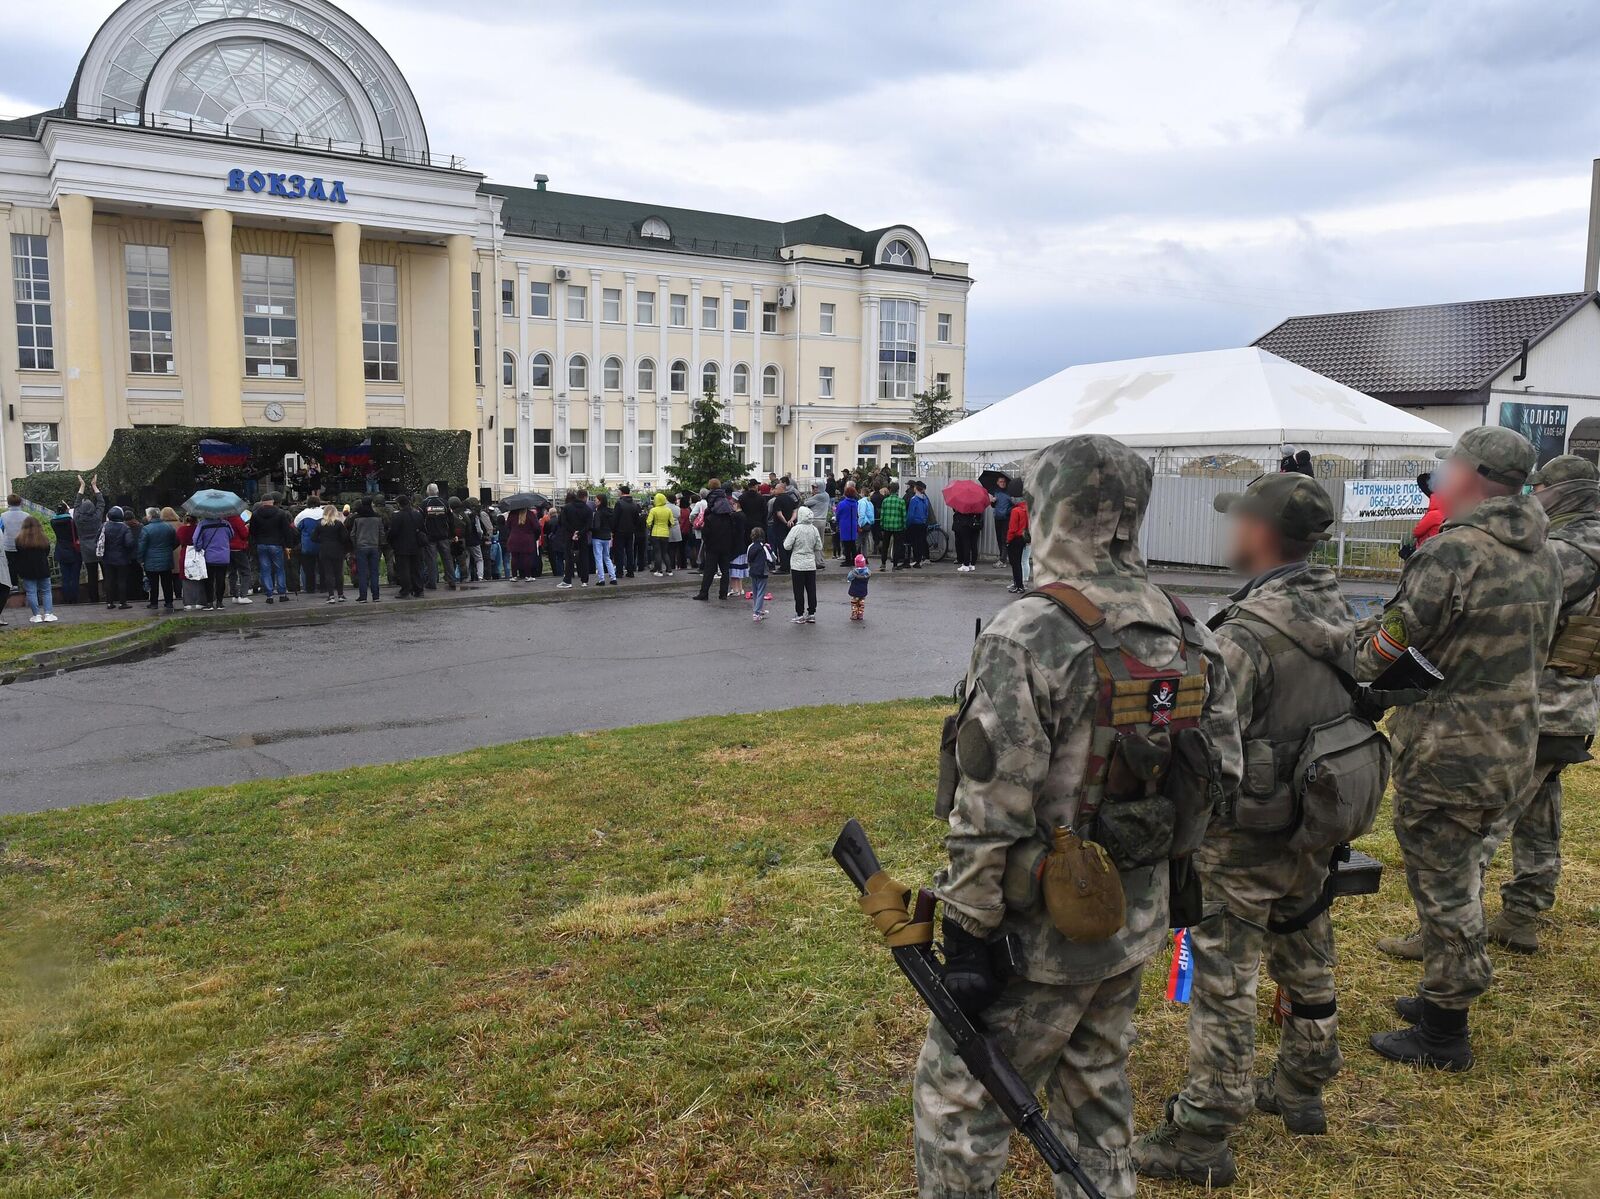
1576	649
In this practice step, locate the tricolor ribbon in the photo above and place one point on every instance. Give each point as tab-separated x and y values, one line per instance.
1180	979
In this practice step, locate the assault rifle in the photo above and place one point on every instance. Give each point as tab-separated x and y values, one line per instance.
976	1046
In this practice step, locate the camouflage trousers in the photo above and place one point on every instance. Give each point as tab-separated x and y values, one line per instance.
1073	1041
1228	948
1533	823
1442	845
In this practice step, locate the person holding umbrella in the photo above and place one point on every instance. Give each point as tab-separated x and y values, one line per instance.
968	501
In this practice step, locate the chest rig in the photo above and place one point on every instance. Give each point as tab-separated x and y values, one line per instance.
1576	649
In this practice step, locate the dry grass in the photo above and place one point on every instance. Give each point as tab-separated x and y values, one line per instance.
623	965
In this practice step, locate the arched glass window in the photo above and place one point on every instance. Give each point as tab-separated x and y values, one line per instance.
680	377
708	378
741	380
508	369
655	227
611	374
539	371
646	381
898	253
578	373
769	382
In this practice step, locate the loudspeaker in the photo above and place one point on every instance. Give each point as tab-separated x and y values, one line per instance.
486	496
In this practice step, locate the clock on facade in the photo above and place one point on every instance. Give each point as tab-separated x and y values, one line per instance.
273	412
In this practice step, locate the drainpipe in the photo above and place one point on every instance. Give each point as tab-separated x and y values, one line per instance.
1522	365
1591	264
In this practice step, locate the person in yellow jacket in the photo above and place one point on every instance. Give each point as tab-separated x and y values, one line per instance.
658	523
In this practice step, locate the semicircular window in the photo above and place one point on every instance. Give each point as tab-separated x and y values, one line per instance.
899	253
252	84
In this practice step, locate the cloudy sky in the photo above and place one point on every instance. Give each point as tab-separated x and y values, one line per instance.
1125	176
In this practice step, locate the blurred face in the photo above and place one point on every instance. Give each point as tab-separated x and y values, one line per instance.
1458	487
1252	544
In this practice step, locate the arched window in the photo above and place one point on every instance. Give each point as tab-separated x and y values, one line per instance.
508	369
741	379
657	228
578	373
646	381
539	370
611	374
679	377
769	382
708	378
898	253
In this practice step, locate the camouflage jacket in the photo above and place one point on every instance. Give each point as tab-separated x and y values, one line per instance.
1031	704
1306	605
1567	706
1479	600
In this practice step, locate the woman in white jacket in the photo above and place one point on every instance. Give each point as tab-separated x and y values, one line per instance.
804	544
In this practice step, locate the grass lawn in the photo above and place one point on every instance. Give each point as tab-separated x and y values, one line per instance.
624	965
22	638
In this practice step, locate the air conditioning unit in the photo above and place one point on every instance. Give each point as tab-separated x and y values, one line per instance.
561	451
562	274
785	416
786	296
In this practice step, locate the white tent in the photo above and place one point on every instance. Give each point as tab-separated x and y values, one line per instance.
1245	402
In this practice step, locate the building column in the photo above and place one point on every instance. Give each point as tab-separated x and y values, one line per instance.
86	397
224	335
695	364
725	371
349	373
922	346
463	400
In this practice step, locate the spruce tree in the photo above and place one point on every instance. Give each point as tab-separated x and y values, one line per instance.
931	411
708	449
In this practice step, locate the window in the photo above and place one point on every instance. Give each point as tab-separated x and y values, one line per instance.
944	326
741	316
645	377
149	273
541	452
941	381
769	316
539	370
647	451
825	319
538	299
578	373
30	272
769	382
644	308
679	438
678	313
508	297
655	227
708	378
822	458
710	306
611	374
741	449
271	344
898	253
508	448
611	304
611	456
477	336
41	447
769	451
577	302
380	325
578	453
678	378
897	349
825	382
741	380
508	369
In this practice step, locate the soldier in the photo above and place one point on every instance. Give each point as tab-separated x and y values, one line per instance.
1479	599
1288	640
1568	488
1038	761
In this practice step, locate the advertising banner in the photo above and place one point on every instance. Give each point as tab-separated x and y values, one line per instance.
1543	424
1383	499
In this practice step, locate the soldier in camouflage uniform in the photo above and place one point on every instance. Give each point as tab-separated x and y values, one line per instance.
1066	1018
1479	599
1568	488
1280	636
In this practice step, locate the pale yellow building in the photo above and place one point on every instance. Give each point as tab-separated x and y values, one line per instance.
236	219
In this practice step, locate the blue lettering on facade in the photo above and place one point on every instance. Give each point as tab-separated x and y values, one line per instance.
290	187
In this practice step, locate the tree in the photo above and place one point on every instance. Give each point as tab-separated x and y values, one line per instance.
708	450
931	411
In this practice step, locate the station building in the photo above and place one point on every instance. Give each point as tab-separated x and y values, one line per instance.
236	218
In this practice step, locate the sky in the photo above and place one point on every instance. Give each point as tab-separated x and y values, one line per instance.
1124	178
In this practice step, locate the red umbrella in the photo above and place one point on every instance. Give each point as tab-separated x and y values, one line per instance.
966	496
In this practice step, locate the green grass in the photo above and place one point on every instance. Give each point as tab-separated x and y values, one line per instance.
22	638
624	965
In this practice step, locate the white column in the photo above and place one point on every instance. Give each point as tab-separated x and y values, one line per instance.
663	376
630	296
558	378
756	365
522	326
630	438
727	336
595	306
663	433
694	338
524	442
630	379
922	345
562	436
869	352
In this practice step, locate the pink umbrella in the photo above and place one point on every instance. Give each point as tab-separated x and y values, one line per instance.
966	496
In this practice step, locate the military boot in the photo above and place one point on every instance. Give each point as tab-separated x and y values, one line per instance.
1168	1151
1514	930
1409	1008
1438	1040
1302	1114
1407	948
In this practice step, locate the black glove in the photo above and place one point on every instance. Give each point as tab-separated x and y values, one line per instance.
969	973
1371	704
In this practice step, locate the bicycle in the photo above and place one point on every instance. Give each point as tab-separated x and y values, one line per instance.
938	543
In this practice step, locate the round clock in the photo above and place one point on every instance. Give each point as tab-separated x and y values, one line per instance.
273	412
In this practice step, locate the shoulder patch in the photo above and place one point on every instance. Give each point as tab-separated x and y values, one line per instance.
974	754
1391	639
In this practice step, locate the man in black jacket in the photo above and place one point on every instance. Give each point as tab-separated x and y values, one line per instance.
629	525
409	542
438	526
576	520
722	528
271	532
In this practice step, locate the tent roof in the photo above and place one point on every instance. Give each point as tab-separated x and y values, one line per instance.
1241	397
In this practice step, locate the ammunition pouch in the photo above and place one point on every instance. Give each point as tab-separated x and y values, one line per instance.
1194	785
1185	897
1082	889
1340	777
1265	803
1136	832
949	773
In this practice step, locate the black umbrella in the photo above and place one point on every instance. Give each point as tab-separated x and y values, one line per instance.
990	479
524	499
